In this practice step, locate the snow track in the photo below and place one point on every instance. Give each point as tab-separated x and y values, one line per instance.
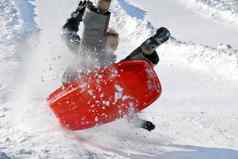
196	116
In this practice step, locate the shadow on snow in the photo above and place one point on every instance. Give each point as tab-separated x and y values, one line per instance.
132	10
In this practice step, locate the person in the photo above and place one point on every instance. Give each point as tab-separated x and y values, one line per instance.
99	42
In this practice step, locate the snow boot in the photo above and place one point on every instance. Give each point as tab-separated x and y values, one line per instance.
148	125
161	36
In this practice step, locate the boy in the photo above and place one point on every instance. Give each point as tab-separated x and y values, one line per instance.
99	42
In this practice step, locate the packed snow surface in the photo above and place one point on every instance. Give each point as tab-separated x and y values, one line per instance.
188	22
196	116
226	10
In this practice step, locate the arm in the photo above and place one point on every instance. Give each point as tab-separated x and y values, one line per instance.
73	22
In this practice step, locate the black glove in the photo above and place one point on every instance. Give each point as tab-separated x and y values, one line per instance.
78	13
81	6
73	22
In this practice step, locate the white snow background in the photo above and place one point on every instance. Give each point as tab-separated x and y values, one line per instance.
196	116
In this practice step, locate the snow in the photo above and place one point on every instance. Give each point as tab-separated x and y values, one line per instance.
187	24
196	116
225	10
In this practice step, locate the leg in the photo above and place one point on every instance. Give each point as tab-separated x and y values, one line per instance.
147	51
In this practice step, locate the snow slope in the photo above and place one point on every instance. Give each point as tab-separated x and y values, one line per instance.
188	23
196	116
225	10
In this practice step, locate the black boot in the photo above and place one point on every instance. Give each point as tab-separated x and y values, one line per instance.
161	36
148	125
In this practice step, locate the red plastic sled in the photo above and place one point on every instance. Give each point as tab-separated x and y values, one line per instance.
106	94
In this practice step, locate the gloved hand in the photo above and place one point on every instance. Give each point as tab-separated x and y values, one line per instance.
78	13
82	5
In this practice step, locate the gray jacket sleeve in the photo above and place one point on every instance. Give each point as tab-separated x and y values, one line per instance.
93	30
